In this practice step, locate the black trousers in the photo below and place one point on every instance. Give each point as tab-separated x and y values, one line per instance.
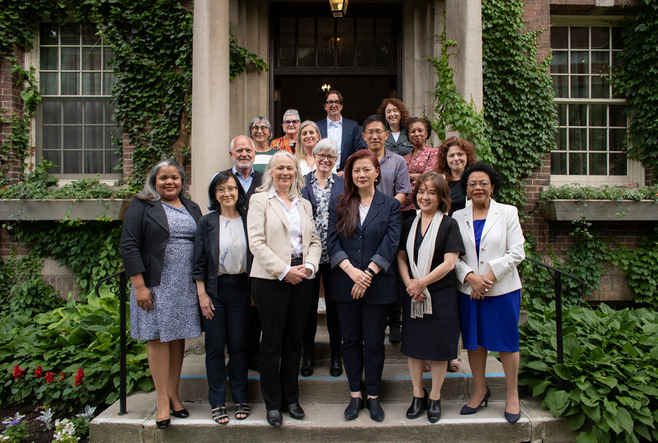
283	309
333	325
253	340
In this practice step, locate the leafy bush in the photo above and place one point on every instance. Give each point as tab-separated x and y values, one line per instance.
610	370
618	193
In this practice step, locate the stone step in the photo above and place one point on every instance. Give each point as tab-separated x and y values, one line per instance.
324	422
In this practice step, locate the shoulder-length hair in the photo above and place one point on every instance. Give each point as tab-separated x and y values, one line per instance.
296	186
404	112
442	166
299	151
260	121
347	210
220	179
441	187
149	192
494	176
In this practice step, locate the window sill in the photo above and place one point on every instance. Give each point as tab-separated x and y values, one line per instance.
599	210
93	209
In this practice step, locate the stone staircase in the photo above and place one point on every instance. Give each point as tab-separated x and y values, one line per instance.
324	399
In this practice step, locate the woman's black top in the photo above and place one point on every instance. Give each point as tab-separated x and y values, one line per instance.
457	196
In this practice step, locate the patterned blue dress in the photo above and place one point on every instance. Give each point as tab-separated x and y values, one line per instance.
176	306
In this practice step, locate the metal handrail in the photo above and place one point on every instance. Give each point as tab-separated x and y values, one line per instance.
557	279
123	285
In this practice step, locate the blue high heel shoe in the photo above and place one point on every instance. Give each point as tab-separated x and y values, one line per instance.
466	410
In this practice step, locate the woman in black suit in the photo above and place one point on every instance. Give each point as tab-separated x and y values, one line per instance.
222	260
364	232
157	247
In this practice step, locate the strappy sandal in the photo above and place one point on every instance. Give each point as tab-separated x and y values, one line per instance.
242	411
219	414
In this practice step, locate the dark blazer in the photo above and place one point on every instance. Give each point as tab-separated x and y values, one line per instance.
401	147
337	188
144	238
206	250
256	182
351	141
376	240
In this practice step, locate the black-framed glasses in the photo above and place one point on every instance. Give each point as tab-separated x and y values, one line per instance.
333	102
259	128
483	184
290	122
326	157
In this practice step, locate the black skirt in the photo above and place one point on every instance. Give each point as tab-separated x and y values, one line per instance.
434	337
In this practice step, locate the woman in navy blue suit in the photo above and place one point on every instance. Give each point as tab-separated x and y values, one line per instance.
364	232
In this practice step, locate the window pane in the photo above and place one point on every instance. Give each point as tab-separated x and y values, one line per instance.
108	83
597	140
94	162
94	112
559	163
51	137
91	83
562	115
70	83
111	160
72	113
616	62
48	82
325	41
91	59
560	63
600	62
51	113
110	133
345	41
579	38
364	42
287	42
72	137
53	156
72	162
578	139
561	86
617	116
580	62
597	164
580	87
108	56
561	139
600	87
49	59
577	115
600	38
306	41
48	33
70	59
617	40
618	164
70	35
577	164
617	137
109	113
598	115
93	137
89	36
560	38
383	43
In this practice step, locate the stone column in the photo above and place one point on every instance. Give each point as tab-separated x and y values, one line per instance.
210	95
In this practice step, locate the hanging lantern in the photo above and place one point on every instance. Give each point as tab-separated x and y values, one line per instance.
338	7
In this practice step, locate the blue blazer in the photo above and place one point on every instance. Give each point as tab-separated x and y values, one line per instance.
376	240
206	251
336	189
351	141
144	238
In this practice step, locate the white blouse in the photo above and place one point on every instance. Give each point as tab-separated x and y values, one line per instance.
232	246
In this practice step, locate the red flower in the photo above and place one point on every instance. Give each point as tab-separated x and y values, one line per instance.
62	377
79	377
50	377
38	372
18	372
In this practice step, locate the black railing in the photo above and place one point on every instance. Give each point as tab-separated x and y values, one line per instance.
556	275
123	285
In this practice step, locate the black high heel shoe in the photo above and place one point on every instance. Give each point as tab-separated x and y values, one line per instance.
466	410
418	404
163	424
434	410
183	413
512	418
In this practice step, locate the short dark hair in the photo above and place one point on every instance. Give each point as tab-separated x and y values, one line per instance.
423	121
333	91
442	190
494	176
219	179
373	119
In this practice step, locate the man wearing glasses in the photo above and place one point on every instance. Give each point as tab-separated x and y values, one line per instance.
341	130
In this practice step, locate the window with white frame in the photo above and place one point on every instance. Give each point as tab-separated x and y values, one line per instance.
76	126
591	120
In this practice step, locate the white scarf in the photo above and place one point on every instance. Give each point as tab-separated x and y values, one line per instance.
425	254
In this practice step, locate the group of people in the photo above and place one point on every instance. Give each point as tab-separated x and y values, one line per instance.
397	233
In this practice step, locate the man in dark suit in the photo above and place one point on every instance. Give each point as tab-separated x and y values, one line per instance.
344	132
243	154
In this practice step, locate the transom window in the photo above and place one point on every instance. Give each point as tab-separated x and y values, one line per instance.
76	122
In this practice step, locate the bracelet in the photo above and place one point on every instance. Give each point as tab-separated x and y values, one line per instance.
370	271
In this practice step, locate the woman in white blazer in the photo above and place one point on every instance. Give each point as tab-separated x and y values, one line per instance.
489	284
287	250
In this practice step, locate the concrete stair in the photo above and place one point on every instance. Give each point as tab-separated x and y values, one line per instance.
324	399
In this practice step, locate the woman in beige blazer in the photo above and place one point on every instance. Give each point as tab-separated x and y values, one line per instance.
287	250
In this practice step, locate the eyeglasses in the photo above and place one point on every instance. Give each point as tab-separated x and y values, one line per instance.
290	122
326	157
259	128
332	102
229	189
375	131
483	184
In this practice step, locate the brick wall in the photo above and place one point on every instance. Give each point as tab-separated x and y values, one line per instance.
11	102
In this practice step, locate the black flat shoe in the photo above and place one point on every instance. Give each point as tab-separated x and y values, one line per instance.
274	417
418	404
352	410
307	365
336	368
466	410
395	334
376	411
183	413
163	424
434	410
296	411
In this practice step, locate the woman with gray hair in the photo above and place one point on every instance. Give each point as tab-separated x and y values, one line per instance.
286	250
260	131
157	247
288	141
322	186
309	136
